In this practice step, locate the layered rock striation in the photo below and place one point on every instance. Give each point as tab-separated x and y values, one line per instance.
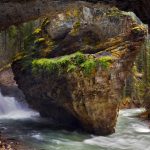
75	64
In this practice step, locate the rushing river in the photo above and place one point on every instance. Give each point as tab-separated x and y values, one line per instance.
19	122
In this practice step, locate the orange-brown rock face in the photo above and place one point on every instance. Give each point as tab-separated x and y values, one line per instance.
81	89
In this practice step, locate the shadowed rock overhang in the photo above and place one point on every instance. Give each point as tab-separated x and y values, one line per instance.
14	12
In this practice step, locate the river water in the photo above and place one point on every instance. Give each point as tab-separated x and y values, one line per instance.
19	122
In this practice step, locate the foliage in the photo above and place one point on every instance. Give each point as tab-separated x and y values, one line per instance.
69	63
105	61
57	64
89	65
71	68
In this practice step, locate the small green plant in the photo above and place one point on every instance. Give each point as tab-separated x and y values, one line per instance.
88	66
105	61
71	68
78	58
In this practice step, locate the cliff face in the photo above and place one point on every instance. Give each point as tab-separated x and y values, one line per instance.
19	11
97	45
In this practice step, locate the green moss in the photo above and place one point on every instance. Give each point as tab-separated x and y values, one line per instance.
37	31
39	40
71	68
75	29
78	58
89	65
57	65
105	61
114	12
69	63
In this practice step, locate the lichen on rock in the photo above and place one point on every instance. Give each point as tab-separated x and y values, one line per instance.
77	63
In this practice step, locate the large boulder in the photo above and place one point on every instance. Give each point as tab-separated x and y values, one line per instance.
78	60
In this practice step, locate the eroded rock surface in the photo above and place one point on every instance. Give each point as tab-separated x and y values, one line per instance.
19	11
80	88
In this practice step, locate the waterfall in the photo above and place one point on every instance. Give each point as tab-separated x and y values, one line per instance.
10	108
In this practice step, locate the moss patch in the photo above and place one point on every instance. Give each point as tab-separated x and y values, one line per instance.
75	29
114	12
39	44
69	63
105	61
37	31
89	65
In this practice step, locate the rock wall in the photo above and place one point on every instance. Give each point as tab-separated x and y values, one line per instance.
8	86
14	12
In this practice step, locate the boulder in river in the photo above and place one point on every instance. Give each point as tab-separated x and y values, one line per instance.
75	64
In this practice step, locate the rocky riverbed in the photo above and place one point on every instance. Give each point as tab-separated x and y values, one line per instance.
10	144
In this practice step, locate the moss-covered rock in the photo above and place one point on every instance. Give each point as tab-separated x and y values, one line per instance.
70	63
80	60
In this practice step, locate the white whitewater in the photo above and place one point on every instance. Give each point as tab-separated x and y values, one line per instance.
12	109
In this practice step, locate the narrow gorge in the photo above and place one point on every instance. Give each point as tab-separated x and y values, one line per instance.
76	63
